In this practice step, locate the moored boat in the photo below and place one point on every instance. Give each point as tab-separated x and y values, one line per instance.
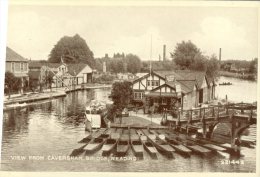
148	146
108	146
94	145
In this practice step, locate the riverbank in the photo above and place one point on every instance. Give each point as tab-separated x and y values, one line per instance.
20	100
251	77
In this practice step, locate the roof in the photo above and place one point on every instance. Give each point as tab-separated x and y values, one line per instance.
11	55
34	74
53	65
75	69
36	64
192	75
187	85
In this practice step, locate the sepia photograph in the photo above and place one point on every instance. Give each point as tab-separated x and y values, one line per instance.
133	87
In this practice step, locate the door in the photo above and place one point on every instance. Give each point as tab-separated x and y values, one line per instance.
201	96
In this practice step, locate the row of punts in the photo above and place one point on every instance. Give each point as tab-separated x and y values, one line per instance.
118	141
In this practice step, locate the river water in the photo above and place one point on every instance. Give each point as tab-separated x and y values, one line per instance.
50	129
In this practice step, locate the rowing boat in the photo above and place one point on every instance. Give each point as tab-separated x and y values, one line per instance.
108	146
148	146
94	145
136	144
161	145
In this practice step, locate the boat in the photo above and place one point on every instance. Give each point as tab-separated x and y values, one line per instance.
94	134
110	143
94	145
108	146
225	83
122	145
161	145
148	146
192	145
94	114
179	148
136	144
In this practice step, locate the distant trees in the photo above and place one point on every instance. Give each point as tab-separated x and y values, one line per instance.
120	63
188	56
133	63
73	50
253	66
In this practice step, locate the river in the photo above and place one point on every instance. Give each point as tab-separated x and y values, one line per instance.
50	129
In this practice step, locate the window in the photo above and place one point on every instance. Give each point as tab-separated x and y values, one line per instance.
138	95
148	83
164	101
21	66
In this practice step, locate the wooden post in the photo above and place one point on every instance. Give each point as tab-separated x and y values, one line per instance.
204	126
213	112
190	116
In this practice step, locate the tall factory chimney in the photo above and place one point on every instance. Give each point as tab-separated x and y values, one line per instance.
164	52
219	54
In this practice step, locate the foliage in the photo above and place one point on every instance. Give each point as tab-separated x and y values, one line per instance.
33	84
12	83
49	80
253	66
120	63
133	63
122	94
73	50
186	54
213	66
104	78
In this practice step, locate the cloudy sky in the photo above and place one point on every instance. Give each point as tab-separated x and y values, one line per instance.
34	30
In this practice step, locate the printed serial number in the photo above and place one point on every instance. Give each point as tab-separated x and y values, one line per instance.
232	162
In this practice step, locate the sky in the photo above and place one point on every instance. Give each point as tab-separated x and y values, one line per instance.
34	30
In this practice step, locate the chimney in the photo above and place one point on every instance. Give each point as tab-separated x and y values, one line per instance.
164	52
219	54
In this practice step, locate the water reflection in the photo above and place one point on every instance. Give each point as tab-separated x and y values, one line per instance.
53	128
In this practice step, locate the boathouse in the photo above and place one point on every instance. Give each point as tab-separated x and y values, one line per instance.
17	65
167	89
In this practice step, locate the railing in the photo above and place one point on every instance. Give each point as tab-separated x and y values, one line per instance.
215	111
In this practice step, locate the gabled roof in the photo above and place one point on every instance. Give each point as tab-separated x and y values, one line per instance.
192	75
75	69
11	55
166	84
187	86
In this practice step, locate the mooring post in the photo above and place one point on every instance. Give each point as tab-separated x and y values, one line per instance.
190	116
204	126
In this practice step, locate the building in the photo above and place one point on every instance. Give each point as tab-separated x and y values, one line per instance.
167	89
17	65
61	74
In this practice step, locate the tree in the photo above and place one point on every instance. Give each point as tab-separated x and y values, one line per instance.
12	83
73	50
133	63
186	53
253	66
122	94
213	66
49	81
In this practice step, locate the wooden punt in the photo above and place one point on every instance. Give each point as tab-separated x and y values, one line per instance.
163	147
108	146
148	146
137	147
179	148
214	146
78	150
122	147
94	134
94	145
193	146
